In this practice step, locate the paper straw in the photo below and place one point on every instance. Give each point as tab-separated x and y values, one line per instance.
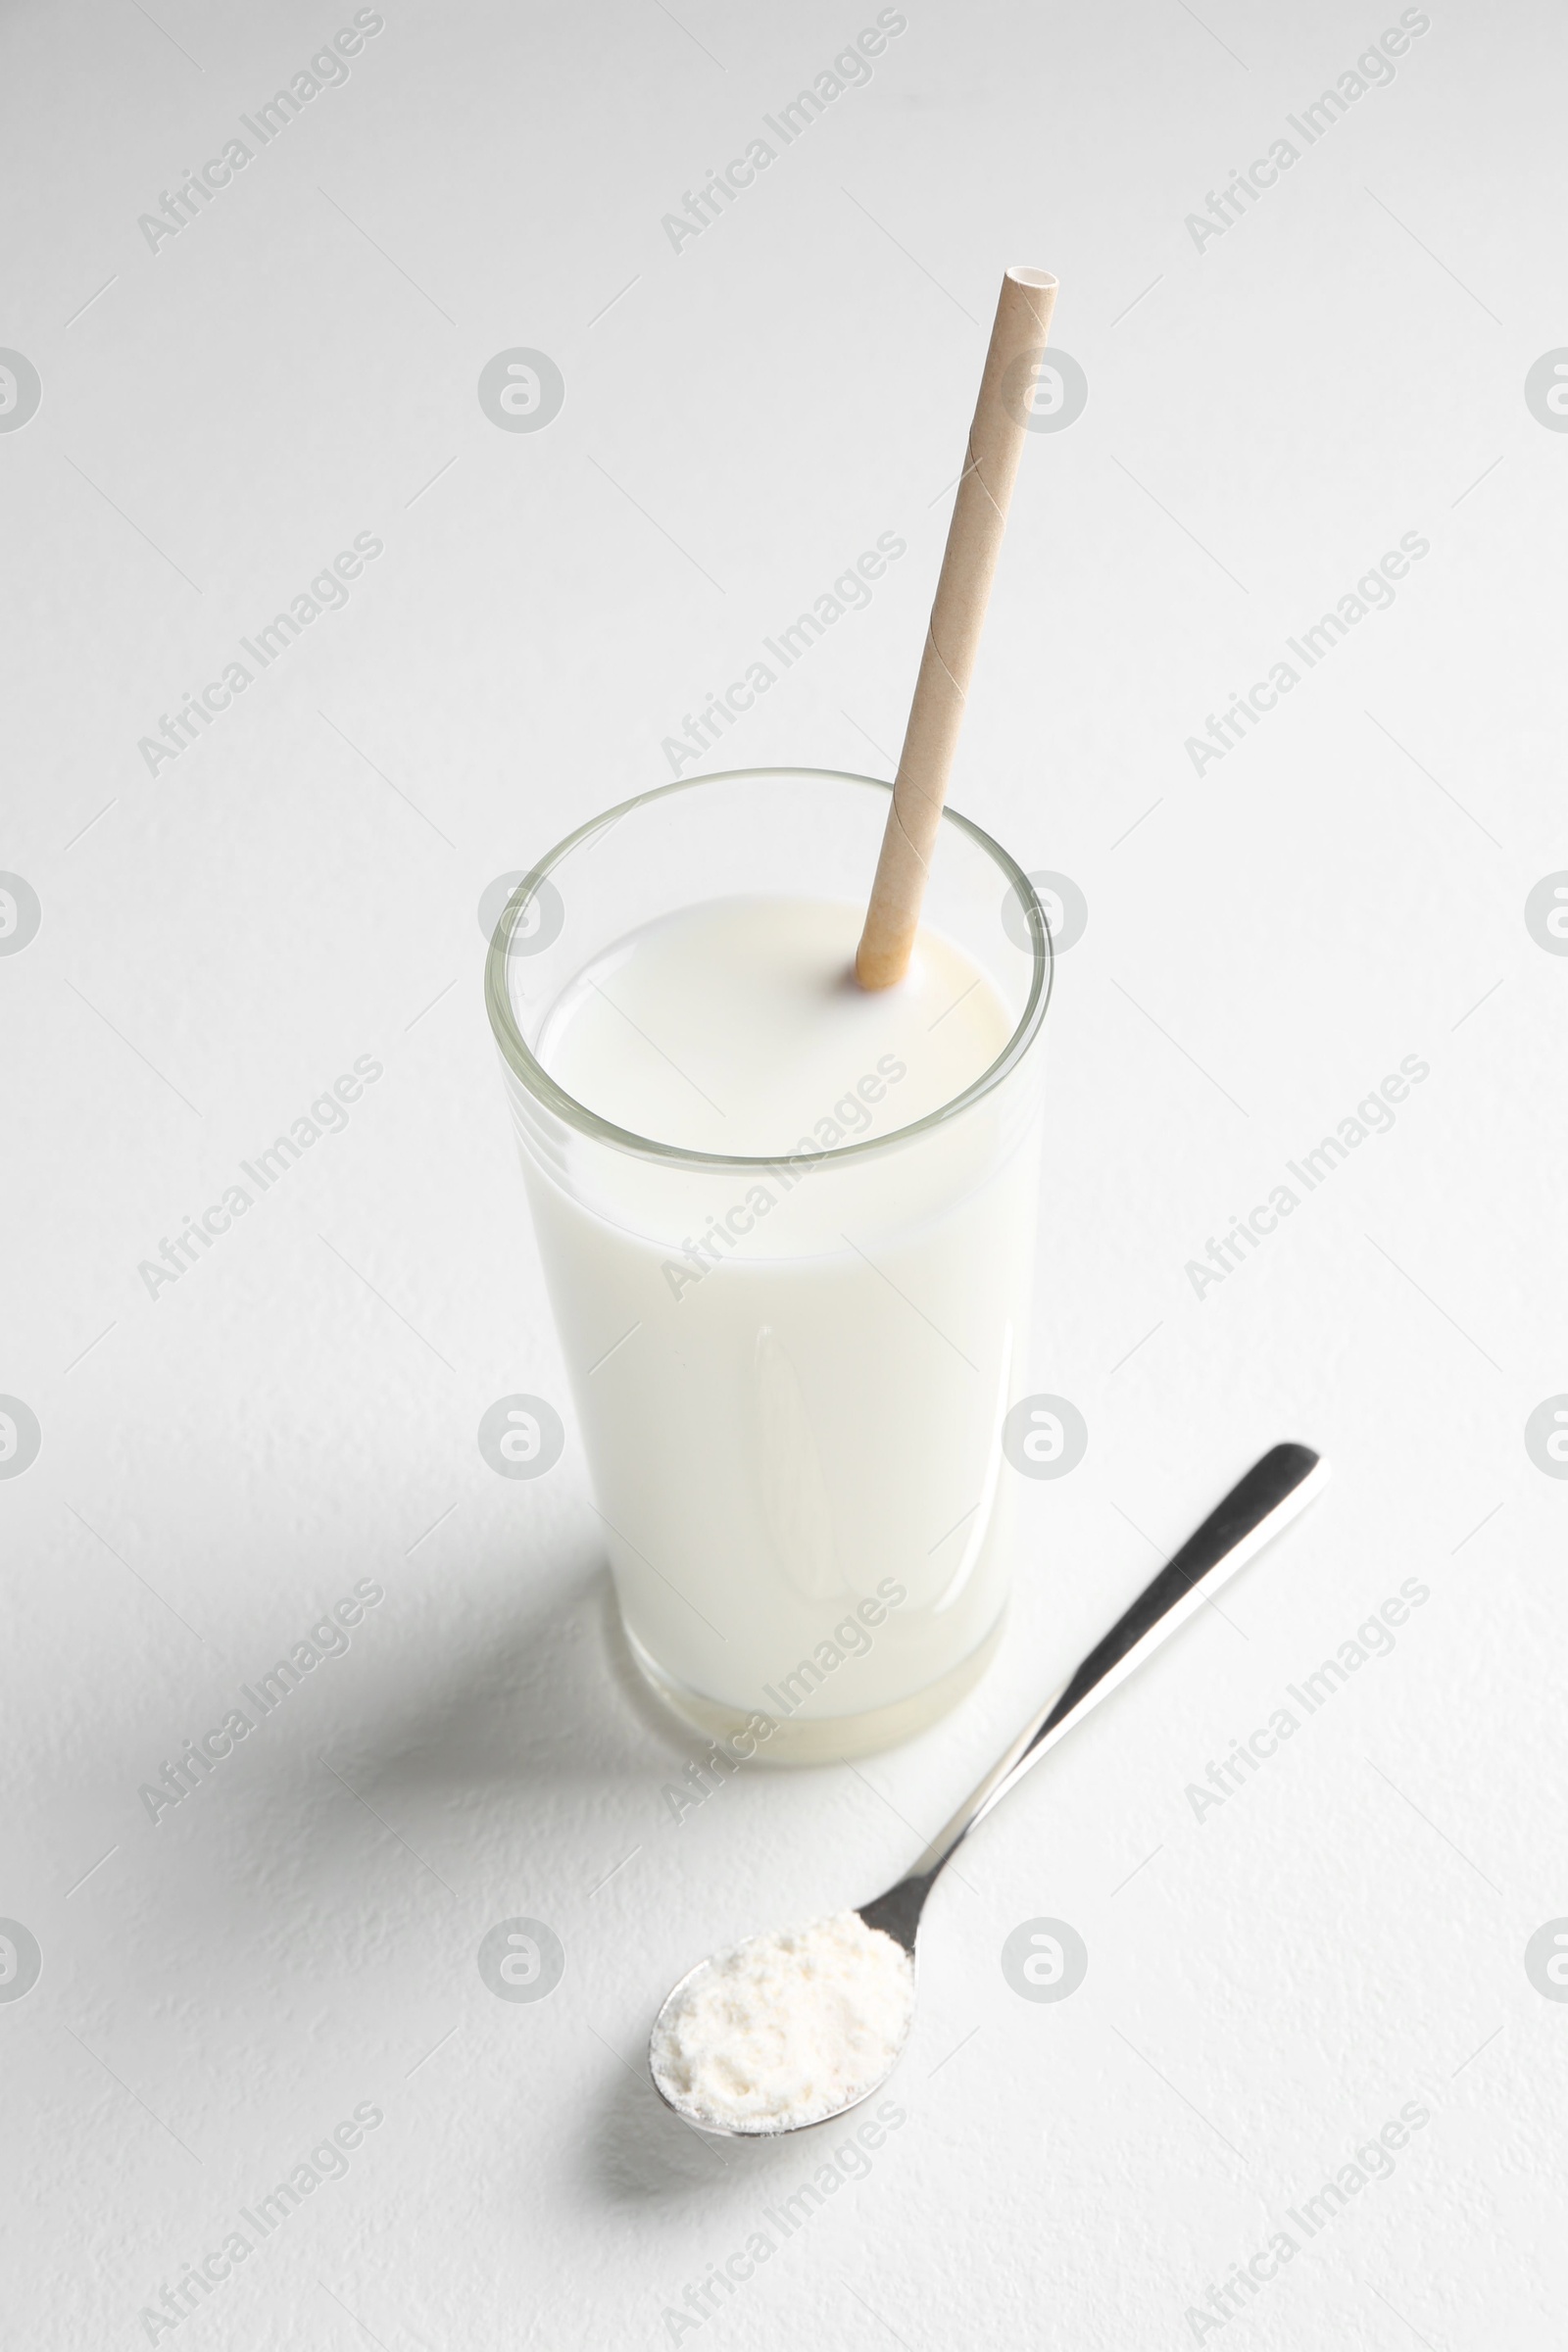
957	617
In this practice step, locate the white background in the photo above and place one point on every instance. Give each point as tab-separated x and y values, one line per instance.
220	1463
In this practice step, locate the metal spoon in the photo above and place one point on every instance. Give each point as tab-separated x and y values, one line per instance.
1273	1491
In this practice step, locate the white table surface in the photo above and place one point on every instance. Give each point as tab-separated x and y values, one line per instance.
1269	1985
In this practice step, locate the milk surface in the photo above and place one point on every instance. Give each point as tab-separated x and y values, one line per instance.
736	1027
791	1375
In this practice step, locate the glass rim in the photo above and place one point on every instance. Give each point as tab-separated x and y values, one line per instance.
523	1064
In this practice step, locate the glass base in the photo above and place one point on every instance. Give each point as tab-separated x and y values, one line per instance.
821	1739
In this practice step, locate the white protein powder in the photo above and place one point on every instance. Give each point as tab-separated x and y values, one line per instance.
787	2027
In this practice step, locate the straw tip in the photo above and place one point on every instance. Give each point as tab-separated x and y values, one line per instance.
1040	279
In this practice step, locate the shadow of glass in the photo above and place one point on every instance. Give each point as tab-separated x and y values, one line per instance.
553	1699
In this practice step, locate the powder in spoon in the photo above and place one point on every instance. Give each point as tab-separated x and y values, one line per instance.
787	2027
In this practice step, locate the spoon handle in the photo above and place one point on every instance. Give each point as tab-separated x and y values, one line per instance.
1270	1495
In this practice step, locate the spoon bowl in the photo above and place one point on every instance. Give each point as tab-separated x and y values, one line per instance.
752	2127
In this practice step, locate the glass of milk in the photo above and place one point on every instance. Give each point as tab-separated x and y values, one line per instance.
788	1229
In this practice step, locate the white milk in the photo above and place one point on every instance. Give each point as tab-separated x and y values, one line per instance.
791	1379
